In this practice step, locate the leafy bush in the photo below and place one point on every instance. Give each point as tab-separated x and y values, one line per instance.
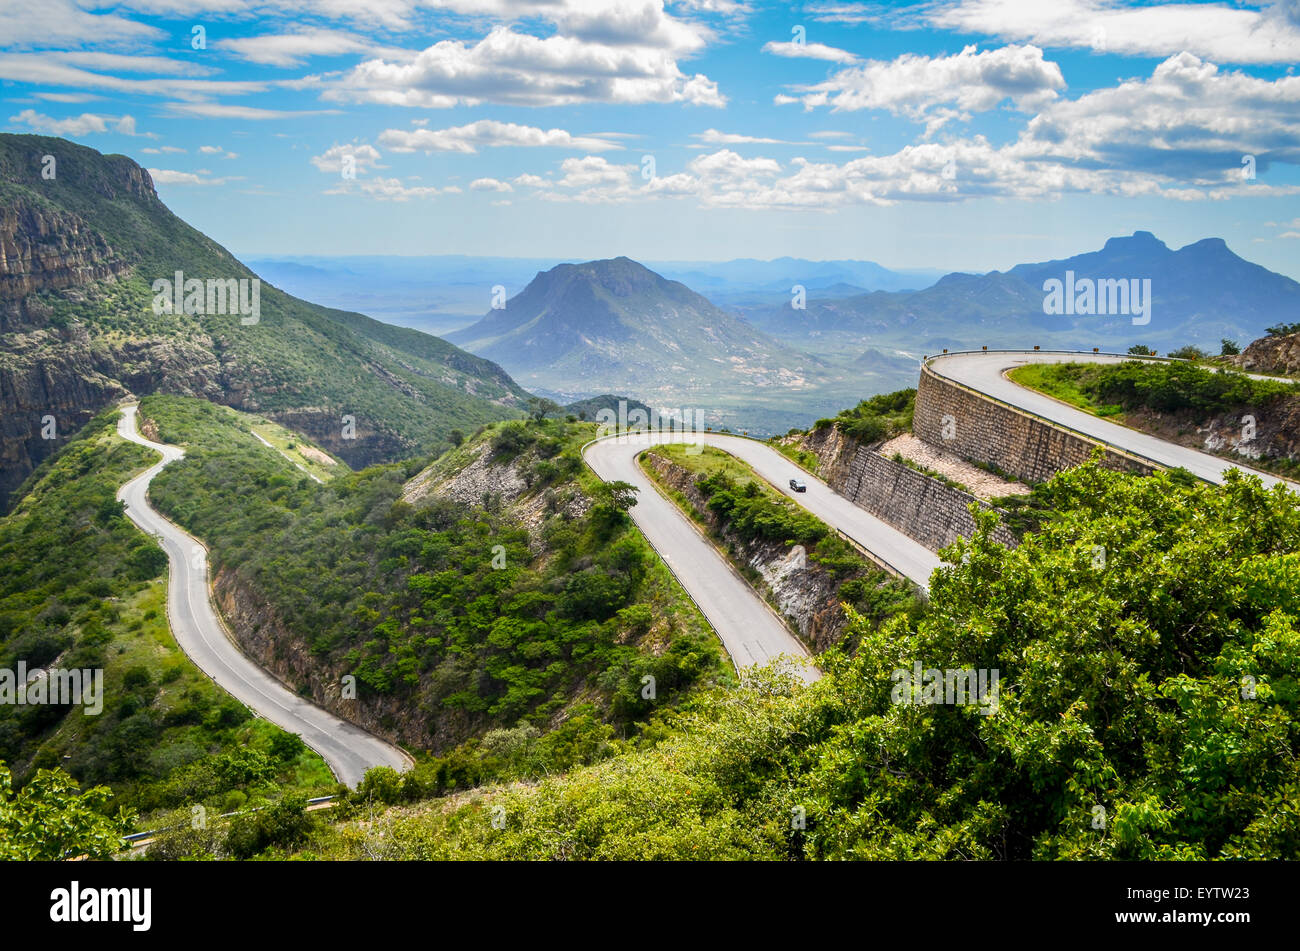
1169	387
754	514
281	825
877	418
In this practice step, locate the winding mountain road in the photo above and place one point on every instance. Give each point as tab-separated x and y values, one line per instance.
986	373
347	749
750	630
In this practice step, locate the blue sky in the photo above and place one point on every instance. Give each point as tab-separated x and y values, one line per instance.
969	134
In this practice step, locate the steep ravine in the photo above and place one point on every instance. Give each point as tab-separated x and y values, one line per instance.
403	719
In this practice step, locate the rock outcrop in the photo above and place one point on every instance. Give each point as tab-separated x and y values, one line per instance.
1276	355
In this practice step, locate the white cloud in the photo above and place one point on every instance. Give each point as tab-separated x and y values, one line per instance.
1189	121
489	185
293	49
519	69
52	23
67	97
820	51
166	176
364	157
488	133
123	63
1216	31
387	189
726	164
714	137
41	68
936	89
1179	134
217	110
84	124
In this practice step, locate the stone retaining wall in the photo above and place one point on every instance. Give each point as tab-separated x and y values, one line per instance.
980	429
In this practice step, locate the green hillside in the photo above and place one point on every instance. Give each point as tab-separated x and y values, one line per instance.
77	305
166	736
1146	710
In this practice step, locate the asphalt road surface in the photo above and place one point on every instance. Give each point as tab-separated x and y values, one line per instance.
985	372
346	748
750	630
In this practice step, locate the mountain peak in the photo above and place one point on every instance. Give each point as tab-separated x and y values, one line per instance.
1207	244
1137	241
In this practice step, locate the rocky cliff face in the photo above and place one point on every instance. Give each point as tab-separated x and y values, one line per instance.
54	379
1250	436
1277	355
46	250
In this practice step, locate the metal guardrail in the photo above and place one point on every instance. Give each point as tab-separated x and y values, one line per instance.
138	836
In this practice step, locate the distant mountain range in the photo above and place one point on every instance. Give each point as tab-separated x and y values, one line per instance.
82	328
1199	294
779	275
441	293
615	326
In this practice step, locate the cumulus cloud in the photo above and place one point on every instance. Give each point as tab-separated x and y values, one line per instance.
1190	120
364	157
1218	31
166	176
488	133
387	189
936	89
83	124
1180	133
513	68
489	185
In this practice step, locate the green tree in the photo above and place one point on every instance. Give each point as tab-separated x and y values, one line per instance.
539	408
613	499
1228	348
51	819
